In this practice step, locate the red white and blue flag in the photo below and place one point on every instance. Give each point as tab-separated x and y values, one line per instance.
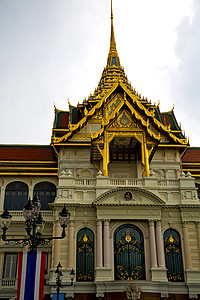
31	271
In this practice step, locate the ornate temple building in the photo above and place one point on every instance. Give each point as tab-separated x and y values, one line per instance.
130	181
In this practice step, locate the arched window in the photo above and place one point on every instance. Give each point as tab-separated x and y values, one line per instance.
173	255
198	189
129	253
85	255
16	195
46	192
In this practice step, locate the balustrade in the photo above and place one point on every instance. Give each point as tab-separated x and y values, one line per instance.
8	282
168	182
85	182
126	182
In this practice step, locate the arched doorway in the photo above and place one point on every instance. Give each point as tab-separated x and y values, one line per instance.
85	255
173	255
129	253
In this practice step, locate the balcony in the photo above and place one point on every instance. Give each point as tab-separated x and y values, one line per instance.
126	182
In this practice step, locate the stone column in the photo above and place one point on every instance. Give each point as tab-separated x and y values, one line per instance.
30	192
99	244
198	234
106	244
152	244
188	262
56	257
70	262
159	244
2	197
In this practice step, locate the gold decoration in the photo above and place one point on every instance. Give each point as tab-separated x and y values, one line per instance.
85	238
171	240
128	238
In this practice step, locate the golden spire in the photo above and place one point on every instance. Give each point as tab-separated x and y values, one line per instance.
113	58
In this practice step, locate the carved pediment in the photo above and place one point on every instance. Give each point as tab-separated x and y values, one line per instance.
125	120
129	196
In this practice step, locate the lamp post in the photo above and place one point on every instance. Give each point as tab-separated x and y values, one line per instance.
34	225
59	274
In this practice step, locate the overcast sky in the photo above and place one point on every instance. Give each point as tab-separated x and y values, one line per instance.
55	50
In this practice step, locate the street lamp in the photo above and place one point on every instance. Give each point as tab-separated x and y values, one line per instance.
34	224
59	274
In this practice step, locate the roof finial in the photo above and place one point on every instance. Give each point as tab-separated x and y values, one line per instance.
113	59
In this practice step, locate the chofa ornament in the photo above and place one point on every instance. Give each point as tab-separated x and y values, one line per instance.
133	291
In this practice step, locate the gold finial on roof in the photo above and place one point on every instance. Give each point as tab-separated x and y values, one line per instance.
113	59
55	109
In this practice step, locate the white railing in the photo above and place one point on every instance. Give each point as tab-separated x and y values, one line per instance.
112	181
126	182
8	282
85	182
168	182
131	182
20	214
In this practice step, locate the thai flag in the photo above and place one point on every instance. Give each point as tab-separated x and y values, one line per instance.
31	271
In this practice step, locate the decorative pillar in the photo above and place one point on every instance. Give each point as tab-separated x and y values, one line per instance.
30	192
71	245
106	244
99	244
159	244
188	262
146	155
2	197
56	257
105	155
152	244
198	234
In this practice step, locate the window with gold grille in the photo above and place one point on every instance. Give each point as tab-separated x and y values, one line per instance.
129	253
173	255
85	255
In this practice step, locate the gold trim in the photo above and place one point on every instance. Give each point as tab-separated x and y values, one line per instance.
178	146
197	170
191	163
60	129
36	174
73	144
28	161
28	168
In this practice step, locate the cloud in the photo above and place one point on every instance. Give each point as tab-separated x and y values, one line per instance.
185	79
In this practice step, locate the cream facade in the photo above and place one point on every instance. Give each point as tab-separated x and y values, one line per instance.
135	215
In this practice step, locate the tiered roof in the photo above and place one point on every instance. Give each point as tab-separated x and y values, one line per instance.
67	123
